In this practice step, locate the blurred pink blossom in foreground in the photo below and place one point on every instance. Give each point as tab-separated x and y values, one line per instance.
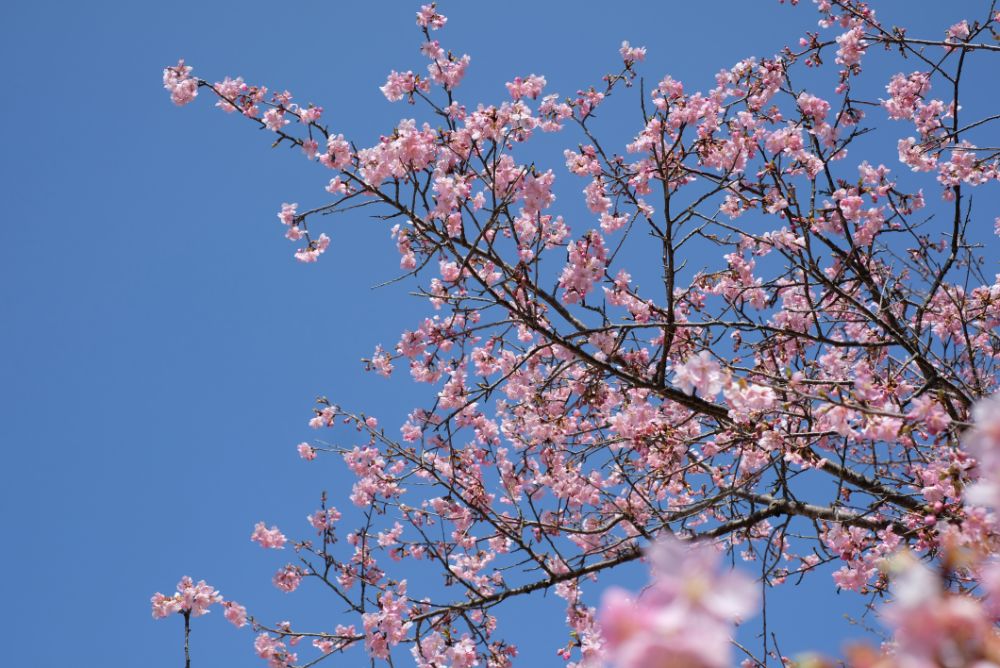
684	618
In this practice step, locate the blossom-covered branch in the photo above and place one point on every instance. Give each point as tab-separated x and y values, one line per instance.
741	333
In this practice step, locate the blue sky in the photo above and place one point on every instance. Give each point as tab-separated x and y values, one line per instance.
162	349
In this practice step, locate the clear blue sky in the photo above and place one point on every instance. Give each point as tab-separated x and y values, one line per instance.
161	348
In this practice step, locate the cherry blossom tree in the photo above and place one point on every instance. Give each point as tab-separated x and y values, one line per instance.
818	392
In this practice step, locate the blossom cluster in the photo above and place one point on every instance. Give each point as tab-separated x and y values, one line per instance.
195	600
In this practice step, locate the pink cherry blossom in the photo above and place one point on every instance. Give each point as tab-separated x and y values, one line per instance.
428	17
632	54
530	87
287	214
338	152
587	260
386	628
287	579
310	147
314	250
164	606
323	520
268	538
851	45
684	618
310	114
274	652
814	107
905	94
274	119
398	85
190	599
235	614
958	32
982	440
700	373
929	622
177	79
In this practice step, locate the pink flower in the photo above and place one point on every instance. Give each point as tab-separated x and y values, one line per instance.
914	156
905	93
268	538
288	578
688	574
632	54
385	629
746	398
235	613
338	152
336	185
397	85
982	441
683	618
274	652
274	119
310	147
449	72
190	598
814	107
530	87
428	17
307	452
314	250
178	81
597	199
287	213
196	597
960	31
229	89
165	605
536	192
931	623
588	258
931	413
382	361
324	519
851	46
310	114
837	418
324	645
449	271
983	437
701	373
